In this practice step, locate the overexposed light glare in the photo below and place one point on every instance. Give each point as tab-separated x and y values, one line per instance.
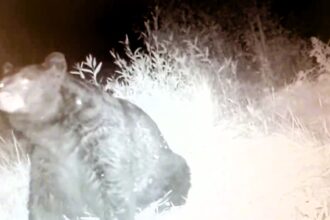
11	102
274	176
14	190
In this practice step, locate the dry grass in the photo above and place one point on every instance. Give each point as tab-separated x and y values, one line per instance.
255	153
282	175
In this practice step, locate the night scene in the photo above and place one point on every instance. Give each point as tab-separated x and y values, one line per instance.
164	110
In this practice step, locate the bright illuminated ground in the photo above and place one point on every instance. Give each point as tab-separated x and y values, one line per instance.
276	176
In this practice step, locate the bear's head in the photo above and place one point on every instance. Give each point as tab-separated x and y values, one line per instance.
33	90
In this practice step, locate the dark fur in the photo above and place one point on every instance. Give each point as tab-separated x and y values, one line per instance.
91	152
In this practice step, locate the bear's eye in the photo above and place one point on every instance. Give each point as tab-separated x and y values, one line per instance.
5	82
24	82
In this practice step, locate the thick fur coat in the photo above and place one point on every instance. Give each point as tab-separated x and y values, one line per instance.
91	152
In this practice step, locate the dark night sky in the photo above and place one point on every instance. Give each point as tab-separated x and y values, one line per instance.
75	27
78	27
310	17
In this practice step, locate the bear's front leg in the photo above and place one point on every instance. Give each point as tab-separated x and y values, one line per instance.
54	192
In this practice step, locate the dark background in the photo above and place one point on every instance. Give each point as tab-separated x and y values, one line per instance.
308	17
30	29
75	27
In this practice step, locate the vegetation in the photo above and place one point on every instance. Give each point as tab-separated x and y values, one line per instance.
244	100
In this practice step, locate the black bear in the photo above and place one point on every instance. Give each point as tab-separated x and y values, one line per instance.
90	152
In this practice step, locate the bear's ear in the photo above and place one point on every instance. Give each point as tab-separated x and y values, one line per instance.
7	68
57	60
56	63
